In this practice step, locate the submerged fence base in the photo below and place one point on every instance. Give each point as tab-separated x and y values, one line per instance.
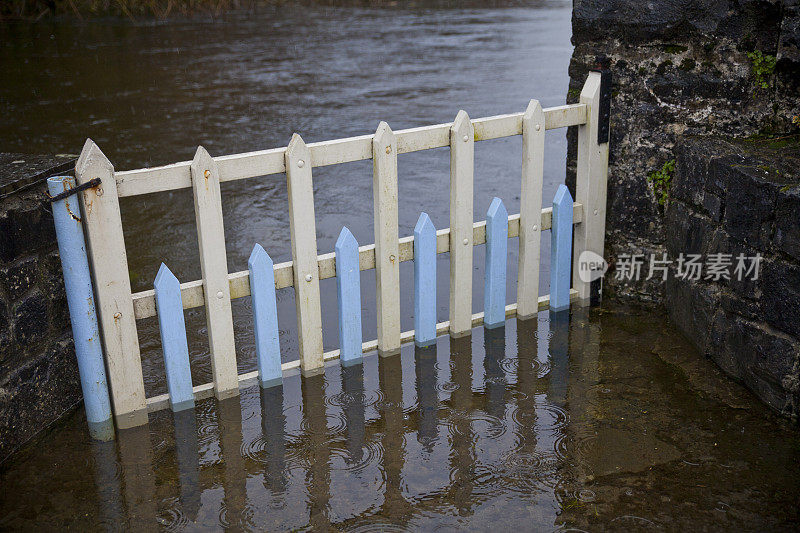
80	298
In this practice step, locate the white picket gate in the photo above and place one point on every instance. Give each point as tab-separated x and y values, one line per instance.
119	308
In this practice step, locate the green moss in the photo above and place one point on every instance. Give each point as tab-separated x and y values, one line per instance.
771	141
662	181
574	93
688	64
674	48
762	67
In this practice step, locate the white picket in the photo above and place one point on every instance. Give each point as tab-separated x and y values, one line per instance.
462	164
304	254
387	254
214	267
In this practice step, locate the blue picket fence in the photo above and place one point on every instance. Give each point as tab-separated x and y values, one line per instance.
348	283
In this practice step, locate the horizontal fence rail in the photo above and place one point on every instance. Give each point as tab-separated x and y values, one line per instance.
120	309
144	304
266	162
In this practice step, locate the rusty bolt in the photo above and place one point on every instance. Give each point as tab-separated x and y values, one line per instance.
117	315
391	258
207	174
99	191
388	149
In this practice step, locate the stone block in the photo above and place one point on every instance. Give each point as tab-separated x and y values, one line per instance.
692	306
787	221
780	299
750	207
19	277
754	353
30	319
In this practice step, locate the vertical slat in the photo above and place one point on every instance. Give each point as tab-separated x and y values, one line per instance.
424	281
494	296
387	262
560	249
590	184
530	210
304	254
173	339
114	303
348	285
462	159
265	317
214	267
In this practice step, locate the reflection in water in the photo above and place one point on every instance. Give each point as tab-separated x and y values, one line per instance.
599	420
427	400
273	427
186	452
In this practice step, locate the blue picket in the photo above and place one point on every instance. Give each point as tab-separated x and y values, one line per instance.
173	339
265	317
494	294
561	249
348	285
424	281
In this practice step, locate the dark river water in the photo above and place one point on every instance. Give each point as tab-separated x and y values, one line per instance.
610	421
148	94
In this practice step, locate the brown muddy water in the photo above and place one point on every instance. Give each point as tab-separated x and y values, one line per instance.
608	422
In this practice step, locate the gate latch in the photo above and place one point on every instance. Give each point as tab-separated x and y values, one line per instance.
603	66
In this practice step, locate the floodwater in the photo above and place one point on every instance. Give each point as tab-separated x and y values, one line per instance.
150	93
605	421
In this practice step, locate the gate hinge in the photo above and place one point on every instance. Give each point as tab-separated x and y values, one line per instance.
603	66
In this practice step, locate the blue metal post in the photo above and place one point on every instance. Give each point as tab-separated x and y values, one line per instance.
82	313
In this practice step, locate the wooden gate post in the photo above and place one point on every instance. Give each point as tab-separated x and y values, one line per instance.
590	184
110	272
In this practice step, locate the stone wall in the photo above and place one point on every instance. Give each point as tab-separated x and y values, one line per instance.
38	370
680	68
741	197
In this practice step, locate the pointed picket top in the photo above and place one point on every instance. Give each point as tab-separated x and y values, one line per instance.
462	127
346	241
165	279
202	162
560	249
497	211
91	156
259	257
424	225
298	153
562	197
384	137
535	114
